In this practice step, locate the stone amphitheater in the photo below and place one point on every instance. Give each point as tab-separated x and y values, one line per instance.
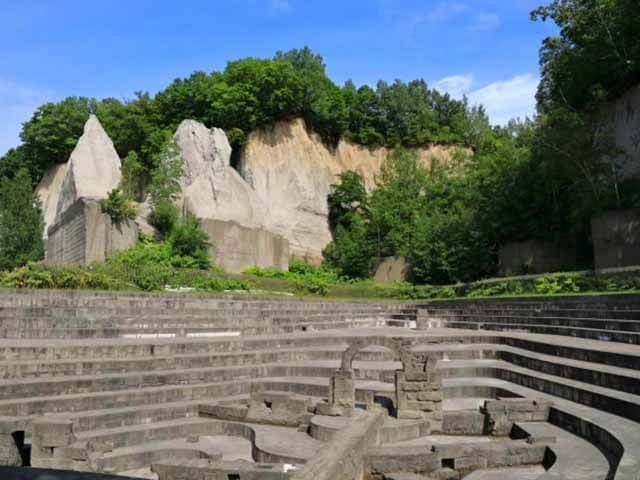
185	387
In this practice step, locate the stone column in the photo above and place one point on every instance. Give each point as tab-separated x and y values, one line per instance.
419	392
257	406
342	390
49	435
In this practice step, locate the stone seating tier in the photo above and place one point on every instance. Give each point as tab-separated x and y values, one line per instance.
137	394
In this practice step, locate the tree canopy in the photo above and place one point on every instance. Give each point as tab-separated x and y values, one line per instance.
250	92
21	222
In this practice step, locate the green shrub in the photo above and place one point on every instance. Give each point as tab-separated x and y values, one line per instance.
299	270
144	252
187	240
556	284
164	216
186	247
76	278
314	286
118	207
153	277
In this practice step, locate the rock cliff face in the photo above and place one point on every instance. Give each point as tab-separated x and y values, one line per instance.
626	132
211	188
48	191
292	170
278	194
93	169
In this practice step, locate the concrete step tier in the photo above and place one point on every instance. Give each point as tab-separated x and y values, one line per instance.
131	370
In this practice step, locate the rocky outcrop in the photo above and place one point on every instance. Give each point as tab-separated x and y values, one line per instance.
93	169
48	191
275	203
625	114
292	170
211	188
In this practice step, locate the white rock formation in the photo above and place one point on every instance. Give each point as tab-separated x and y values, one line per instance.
292	170
48	191
93	169
211	188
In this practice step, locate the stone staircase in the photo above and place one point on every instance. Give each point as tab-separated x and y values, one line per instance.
128	371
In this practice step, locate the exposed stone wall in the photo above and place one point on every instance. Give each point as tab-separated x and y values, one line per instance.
83	234
236	248
616	238
502	414
9	453
344	457
48	191
419	395
292	170
392	269
626	132
534	256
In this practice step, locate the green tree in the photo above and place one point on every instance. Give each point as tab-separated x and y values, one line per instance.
596	55
13	161
187	240
323	105
397	201
21	222
346	198
51	134
351	253
130	125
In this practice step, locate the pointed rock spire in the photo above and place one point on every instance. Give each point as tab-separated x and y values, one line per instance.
93	169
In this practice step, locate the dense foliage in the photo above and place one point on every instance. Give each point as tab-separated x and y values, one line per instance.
249	93
432	216
594	59
21	223
118	207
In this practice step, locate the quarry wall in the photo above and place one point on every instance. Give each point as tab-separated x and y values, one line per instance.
292	171
625	116
273	205
236	248
535	256
83	234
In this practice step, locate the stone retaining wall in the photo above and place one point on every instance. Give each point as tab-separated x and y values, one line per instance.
83	234
236	248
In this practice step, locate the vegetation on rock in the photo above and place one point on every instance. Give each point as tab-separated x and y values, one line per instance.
118	206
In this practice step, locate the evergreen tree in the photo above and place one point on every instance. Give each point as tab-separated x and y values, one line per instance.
21	222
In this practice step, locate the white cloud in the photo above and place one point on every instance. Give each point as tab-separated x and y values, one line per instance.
506	99
486	21
408	20
17	103
455	85
446	10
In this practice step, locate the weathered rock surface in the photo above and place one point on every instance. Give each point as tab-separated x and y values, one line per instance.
237	248
93	169
626	132
211	188
83	234
292	170
9	453
392	269
48	191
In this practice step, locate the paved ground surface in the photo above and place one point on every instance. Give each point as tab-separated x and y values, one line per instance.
524	473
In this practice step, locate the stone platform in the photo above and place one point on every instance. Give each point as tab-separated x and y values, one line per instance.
160	386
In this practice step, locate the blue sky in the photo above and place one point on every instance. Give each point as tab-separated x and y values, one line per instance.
487	49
